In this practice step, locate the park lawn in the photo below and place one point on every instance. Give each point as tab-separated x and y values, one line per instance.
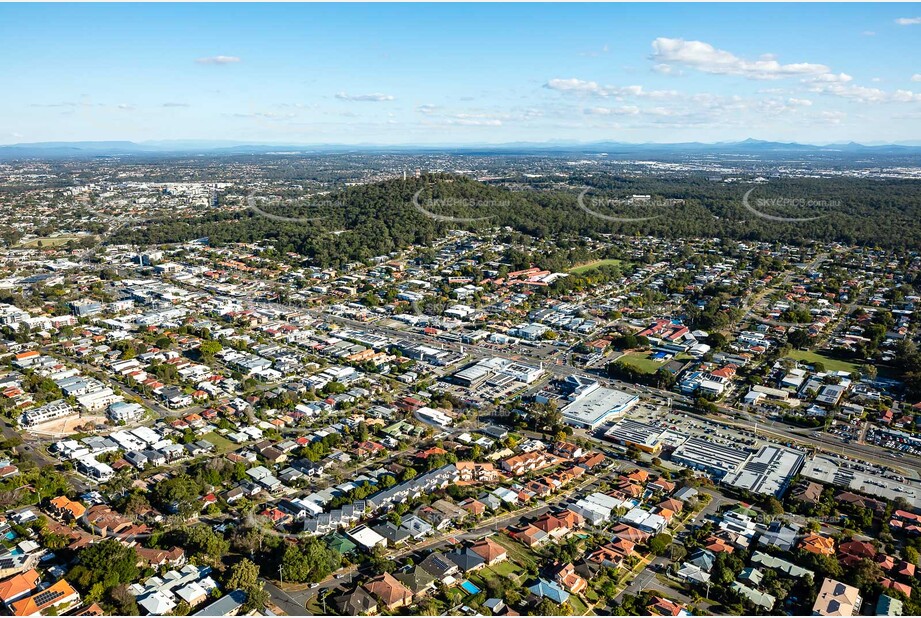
641	362
57	241
831	364
584	268
221	444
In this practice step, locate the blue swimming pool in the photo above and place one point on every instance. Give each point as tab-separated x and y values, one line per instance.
469	587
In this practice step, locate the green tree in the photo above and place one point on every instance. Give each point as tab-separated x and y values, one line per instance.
660	543
107	562
243	575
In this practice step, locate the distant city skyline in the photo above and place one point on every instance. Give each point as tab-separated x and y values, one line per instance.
461	74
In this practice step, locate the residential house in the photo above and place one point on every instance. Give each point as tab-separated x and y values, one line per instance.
836	599
389	591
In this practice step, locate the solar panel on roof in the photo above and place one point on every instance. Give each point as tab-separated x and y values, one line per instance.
47	596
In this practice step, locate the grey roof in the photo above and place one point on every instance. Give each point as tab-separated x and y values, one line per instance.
227	605
466	560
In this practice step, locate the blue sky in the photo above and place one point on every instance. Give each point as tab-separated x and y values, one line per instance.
455	74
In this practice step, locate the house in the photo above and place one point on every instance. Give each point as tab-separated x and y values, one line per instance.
416	527
567	577
157	558
67	508
808	493
389	591
359	602
442	569
227	605
531	536
898	586
366	537
888	606
18	586
754	596
836	599
473	507
192	593
779	535
466	560
420	581
852	552
549	590
818	544
693	574
605	556
703	558
395	535
491	552
494	605
555	527
57	595
665	607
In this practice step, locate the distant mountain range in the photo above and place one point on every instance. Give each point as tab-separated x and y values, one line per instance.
193	147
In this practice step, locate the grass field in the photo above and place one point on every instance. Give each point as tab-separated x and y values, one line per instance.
578	607
221	444
57	241
584	268
831	364
516	551
641	362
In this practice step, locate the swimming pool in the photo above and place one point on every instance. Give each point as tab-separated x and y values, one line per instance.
469	587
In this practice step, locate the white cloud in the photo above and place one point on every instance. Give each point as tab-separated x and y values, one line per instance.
666	69
706	58
574	85
626	110
908	21
849	91
916	77
373	97
840	86
906	96
831	77
833	117
799	102
427	109
582	87
474	120
169	104
267	115
218	60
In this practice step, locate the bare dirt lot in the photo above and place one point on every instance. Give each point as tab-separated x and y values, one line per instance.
65	426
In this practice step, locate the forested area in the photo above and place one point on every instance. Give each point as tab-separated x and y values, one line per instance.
370	220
